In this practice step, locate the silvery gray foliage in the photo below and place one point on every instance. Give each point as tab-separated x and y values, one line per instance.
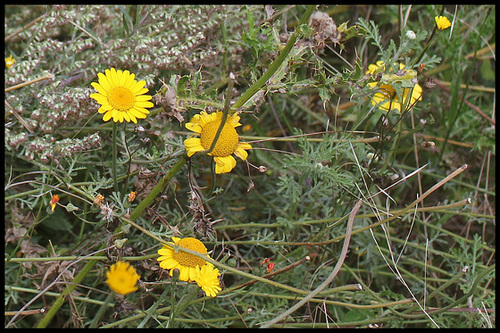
75	42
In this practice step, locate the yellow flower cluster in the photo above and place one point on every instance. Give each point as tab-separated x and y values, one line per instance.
191	268
385	96
123	98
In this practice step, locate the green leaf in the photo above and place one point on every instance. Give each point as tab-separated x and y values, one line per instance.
357	315
71	208
57	221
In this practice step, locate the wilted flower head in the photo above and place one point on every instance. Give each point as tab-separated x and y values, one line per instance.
53	201
411	34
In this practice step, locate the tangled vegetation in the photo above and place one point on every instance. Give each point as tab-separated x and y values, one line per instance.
249	166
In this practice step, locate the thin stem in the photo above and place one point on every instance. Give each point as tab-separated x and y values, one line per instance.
90	265
275	65
330	278
20	85
157	189
225	114
428	40
115	179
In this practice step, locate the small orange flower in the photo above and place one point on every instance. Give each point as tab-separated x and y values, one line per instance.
99	199
53	201
270	267
131	196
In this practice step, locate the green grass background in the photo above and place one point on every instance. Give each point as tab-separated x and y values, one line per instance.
421	252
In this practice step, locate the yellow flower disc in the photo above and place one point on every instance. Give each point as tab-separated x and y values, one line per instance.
187	259
226	143
121	98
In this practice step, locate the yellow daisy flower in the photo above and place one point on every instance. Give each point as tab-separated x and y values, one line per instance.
208	280
121	96
442	22
9	61
187	264
386	97
122	278
228	143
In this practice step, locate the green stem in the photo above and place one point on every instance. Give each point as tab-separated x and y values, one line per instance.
69	289
225	114
100	312
113	145
71	258
160	186
428	41
276	63
180	309
54	294
44	322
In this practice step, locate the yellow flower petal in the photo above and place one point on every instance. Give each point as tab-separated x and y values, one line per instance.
122	278
103	82
101	99
121	96
143	98
107	116
139	88
228	142
208	280
139	112
442	22
100	89
224	164
241	153
127	117
195	127
186	263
